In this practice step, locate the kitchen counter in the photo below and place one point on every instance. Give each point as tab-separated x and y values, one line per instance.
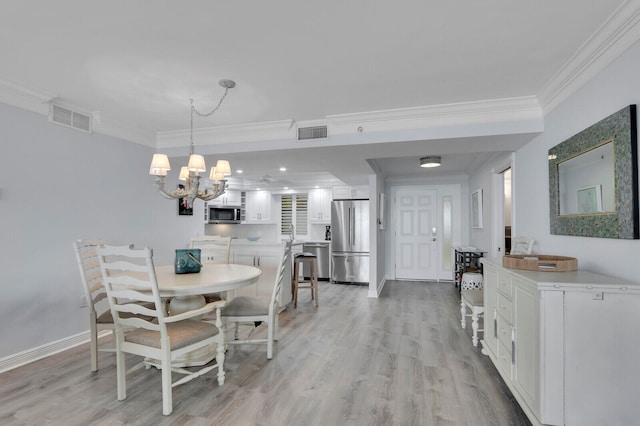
244	243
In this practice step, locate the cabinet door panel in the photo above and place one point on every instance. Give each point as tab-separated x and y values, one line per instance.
490	315
527	357
601	378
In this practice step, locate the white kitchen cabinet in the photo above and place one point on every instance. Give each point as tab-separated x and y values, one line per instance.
350	192
258	207
562	342
229	198
320	206
267	258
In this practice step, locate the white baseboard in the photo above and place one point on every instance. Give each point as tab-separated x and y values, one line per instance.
30	355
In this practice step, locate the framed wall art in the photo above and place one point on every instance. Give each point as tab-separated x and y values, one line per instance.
476	209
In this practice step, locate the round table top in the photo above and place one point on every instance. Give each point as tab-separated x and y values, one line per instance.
212	278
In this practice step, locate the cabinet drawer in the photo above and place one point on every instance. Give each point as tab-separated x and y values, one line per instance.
504	306
504	331
504	285
505	366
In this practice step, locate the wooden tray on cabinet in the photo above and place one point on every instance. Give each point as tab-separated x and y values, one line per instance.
540	262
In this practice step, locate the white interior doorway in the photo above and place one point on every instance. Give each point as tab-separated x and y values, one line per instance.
502	210
508	196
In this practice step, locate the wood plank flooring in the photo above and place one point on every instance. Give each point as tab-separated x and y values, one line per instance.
401	359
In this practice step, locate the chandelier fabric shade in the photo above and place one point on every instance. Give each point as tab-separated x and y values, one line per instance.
196	163
159	165
190	173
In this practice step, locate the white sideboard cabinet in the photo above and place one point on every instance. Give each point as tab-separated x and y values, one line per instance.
567	344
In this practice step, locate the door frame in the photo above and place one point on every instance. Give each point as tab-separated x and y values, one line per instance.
453	190
497	183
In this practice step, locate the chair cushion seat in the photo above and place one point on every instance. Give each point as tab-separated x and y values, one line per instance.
181	334
304	254
473	297
243	306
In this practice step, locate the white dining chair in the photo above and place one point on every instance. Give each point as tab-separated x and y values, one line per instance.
213	249
259	309
130	279
95	294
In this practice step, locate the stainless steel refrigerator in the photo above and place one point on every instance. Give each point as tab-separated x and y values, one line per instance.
350	241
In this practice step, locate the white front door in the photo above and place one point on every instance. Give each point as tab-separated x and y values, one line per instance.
416	254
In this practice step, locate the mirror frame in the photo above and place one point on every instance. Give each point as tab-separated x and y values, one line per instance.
621	127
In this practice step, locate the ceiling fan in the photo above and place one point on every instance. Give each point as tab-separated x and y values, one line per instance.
267	180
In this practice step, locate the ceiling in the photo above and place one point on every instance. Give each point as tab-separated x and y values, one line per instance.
139	63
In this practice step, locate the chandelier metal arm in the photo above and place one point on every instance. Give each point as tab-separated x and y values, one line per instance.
219	187
189	192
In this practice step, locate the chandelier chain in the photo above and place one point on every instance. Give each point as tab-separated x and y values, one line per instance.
200	114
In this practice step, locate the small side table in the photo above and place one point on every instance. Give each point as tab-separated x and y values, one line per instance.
467	259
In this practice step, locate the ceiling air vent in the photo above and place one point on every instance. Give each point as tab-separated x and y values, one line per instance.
316	132
66	117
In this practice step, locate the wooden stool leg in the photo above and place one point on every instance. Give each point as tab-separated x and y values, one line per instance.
296	272
314	281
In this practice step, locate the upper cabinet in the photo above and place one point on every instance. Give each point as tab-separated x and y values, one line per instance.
229	198
350	192
258	207
320	206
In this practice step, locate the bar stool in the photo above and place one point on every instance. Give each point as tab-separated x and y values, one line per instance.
312	283
472	297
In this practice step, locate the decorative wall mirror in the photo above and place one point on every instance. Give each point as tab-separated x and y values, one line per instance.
593	180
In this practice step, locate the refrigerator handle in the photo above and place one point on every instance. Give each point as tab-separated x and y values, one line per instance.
350	226
353	227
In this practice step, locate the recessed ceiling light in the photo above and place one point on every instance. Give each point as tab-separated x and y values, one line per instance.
283	169
239	171
286	187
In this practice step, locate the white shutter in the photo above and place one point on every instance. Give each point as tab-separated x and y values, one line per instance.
293	210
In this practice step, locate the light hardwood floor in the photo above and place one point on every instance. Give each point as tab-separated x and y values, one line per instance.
401	359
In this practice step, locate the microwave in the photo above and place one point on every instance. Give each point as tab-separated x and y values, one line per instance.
218	214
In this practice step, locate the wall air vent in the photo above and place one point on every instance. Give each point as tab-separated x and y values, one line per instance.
316	132
69	118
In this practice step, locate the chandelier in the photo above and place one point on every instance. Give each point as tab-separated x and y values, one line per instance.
190	173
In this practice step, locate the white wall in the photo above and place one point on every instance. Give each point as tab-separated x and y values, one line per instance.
376	236
57	185
614	88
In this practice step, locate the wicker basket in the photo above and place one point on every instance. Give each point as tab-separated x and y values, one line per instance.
540	262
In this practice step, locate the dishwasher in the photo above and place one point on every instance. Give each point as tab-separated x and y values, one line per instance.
321	250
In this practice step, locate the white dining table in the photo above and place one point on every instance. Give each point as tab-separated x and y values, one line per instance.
212	278
185	291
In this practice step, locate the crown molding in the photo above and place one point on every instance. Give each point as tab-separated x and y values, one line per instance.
265	131
425	117
30	99
619	32
122	131
519	114
35	101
